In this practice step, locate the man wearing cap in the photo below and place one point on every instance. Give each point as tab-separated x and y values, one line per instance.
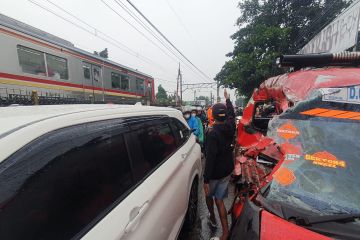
219	161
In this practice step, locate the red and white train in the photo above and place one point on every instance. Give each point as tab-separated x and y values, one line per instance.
33	60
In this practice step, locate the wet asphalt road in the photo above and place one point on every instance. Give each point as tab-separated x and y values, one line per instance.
202	230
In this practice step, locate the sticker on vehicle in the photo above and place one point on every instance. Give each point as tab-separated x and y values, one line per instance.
291	152
288	131
290	157
284	176
343	95
325	159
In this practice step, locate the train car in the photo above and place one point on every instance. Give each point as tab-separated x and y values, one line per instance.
34	63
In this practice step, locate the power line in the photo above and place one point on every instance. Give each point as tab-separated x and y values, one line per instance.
167	39
164	80
179	18
95	29
136	29
307	31
96	34
112	9
311	35
139	21
195	42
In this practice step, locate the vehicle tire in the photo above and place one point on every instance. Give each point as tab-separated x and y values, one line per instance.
192	211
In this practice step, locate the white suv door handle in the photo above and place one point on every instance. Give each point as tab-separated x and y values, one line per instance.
135	215
184	155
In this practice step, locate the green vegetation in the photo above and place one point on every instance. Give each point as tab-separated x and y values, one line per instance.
163	99
267	29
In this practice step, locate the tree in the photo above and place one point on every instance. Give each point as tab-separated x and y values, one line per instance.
161	96
267	29
171	99
207	100
240	101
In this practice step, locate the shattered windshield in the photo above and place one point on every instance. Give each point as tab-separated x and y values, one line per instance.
321	166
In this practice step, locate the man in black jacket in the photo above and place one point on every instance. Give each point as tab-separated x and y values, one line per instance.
219	161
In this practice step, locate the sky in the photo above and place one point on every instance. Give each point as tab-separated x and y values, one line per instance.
200	29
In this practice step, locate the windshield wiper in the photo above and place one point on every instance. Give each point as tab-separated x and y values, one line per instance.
306	221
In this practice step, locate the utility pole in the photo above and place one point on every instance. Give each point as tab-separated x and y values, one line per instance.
194	96
181	85
177	91
178	87
211	102
217	92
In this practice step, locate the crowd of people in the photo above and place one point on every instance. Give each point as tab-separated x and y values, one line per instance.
215	132
198	122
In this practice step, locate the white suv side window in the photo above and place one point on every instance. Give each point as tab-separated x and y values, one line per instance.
157	143
60	185
182	133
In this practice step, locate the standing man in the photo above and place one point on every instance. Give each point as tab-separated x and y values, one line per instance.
219	161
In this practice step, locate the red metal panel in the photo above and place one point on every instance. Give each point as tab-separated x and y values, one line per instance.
298	85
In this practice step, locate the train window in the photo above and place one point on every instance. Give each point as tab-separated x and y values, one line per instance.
139	84
124	82
96	73
57	67
115	80
31	61
87	71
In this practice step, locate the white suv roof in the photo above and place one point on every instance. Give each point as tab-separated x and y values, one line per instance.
21	124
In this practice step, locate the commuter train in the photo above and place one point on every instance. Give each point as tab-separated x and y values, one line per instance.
34	63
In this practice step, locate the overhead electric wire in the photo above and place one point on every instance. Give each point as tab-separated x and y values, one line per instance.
164	80
157	30
122	46
95	29
179	19
310	36
136	29
307	31
129	51
97	33
194	41
138	20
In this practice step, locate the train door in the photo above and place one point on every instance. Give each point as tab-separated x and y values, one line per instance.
87	81
93	80
97	83
148	94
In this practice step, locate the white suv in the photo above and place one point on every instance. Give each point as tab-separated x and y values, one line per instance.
96	172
